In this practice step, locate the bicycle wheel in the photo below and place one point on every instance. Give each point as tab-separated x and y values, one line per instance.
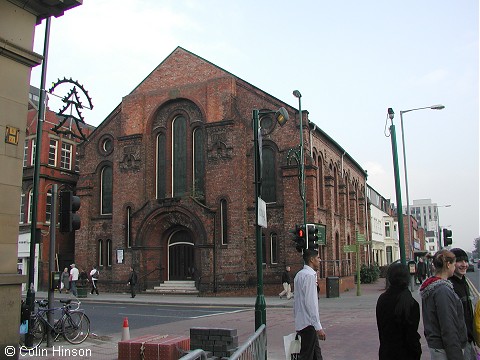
38	334
76	327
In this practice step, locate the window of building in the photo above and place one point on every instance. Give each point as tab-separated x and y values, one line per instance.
128	227
179	156
264	250
161	166
223	222
66	156
34	148
109	252
107	191
77	162
48	209
52	153
198	164
388	251
25	153
30	206
22	208
268	175
387	229
320	181
100	252
273	248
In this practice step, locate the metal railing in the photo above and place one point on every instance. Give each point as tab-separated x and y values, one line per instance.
255	348
195	355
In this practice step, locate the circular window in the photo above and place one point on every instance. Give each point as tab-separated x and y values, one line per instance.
105	146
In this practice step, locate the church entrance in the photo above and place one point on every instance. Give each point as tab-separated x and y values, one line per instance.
181	261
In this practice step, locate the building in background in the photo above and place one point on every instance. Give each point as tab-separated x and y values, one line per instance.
59	164
17	28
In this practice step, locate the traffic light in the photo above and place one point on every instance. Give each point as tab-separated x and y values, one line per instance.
300	238
312	237
69	204
447	237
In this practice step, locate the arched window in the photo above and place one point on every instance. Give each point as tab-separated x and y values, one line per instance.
179	156
320	182
223	222
128	227
198	164
335	190
109	252
268	175
273	248
264	250
100	252
107	191
161	166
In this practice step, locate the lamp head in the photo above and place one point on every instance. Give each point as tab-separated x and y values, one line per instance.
391	114
281	116
297	94
437	107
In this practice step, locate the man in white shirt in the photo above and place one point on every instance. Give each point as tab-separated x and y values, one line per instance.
305	308
74	278
94	273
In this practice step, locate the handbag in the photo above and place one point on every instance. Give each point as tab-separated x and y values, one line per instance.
24	327
292	345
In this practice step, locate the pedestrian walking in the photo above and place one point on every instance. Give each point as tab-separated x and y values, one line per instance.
132	281
442	311
94	274
462	289
286	283
64	281
74	273
398	317
305	307
421	271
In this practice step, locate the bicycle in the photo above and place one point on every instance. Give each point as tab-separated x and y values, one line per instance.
73	325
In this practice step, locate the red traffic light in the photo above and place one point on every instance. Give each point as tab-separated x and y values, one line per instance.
301	233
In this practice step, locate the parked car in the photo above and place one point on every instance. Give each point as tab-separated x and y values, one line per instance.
471	267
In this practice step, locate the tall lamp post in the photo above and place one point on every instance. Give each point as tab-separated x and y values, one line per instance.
281	116
433	107
298	95
401	238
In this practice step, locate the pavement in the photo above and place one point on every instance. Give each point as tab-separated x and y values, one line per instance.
349	322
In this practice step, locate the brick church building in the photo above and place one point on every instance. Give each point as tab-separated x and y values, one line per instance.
167	186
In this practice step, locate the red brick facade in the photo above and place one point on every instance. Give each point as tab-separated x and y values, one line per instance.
180	236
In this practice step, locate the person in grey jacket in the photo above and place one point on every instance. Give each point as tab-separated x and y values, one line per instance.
442	311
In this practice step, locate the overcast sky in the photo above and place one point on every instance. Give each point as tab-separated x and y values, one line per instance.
350	59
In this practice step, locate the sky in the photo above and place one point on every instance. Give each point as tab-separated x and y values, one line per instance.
350	59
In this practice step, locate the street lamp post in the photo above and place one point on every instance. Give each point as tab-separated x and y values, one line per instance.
298	95
281	116
401	238
433	107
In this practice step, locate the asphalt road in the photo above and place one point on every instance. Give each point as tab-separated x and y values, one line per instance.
107	319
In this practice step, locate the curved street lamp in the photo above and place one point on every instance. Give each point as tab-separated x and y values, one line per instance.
433	107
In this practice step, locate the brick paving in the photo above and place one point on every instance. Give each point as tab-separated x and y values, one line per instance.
349	322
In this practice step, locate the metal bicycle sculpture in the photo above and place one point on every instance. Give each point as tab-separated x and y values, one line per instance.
73	325
74	104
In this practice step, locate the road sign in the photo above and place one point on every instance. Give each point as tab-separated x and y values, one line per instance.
361	237
350	248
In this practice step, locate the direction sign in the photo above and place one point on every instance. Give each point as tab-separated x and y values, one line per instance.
361	237
350	248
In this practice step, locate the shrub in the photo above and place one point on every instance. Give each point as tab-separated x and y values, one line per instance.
369	274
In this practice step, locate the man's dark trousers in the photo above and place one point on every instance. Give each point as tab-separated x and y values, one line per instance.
310	349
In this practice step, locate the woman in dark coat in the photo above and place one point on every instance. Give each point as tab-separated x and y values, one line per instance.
398	316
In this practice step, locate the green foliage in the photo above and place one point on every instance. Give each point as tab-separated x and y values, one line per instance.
369	274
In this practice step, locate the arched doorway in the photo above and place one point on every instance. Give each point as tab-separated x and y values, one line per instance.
181	260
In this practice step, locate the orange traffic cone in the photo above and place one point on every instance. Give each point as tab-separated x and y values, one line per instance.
126	330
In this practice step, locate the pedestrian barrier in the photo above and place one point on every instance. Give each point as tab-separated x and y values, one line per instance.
255	348
125	330
195	355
